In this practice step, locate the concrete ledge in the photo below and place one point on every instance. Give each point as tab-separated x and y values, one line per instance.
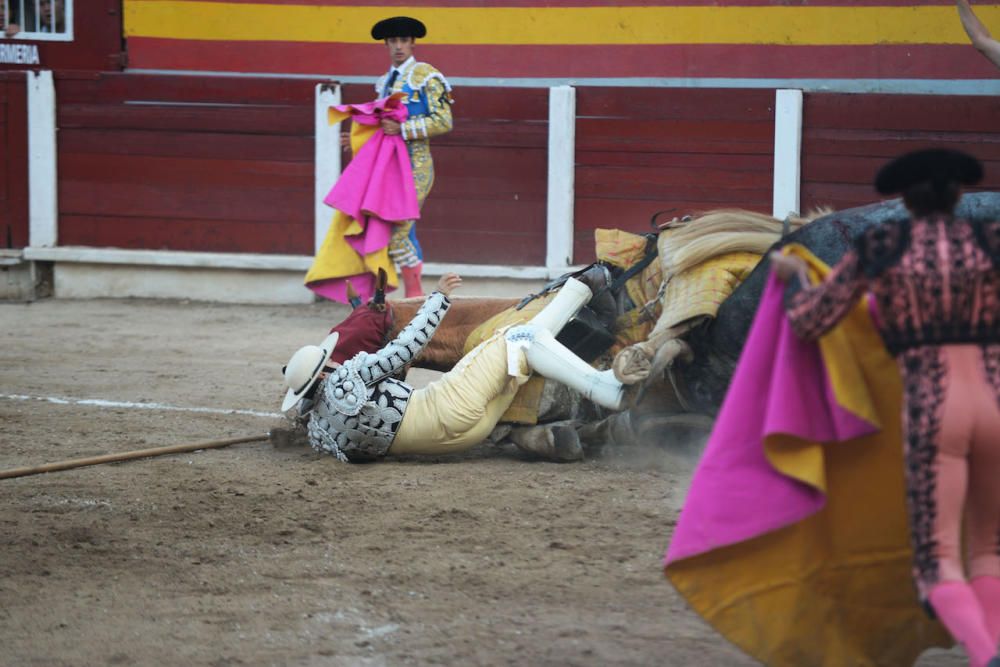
219	260
87	273
23	280
169	258
79	280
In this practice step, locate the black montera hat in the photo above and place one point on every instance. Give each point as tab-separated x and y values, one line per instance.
398	26
938	165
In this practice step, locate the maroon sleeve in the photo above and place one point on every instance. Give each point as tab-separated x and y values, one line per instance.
364	330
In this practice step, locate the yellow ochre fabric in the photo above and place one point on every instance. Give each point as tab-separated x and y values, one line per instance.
700	290
335	258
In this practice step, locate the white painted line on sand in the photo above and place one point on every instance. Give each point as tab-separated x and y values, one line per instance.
101	403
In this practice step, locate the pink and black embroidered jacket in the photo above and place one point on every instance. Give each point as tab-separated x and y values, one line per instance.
934	281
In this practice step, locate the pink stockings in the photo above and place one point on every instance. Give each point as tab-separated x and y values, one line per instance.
956	605
987	590
411	280
952	424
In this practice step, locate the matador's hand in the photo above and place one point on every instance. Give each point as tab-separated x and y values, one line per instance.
448	283
391	127
789	266
631	365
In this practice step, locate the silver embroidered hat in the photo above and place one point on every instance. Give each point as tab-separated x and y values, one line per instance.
304	368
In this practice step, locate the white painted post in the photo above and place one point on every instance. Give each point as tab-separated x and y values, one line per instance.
561	189
43	210
787	152
327	156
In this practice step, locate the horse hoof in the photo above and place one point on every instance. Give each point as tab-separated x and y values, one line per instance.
566	443
550	442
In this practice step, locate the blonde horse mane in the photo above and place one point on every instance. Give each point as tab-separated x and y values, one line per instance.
718	232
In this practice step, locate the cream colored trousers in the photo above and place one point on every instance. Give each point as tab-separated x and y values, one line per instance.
458	410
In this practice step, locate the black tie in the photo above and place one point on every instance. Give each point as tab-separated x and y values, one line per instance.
388	84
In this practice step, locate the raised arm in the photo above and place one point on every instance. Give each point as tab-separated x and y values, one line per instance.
978	33
812	311
401	350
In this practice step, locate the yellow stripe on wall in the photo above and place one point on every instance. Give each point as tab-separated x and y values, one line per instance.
558	25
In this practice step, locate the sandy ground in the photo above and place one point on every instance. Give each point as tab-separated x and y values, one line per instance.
254	555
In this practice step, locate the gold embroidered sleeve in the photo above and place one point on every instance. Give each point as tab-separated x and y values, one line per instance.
437	121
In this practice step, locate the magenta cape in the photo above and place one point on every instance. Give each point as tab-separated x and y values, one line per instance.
377	186
779	387
375	190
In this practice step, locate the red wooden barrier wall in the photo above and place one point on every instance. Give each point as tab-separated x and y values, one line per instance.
13	161
846	138
640	151
226	165
185	163
488	202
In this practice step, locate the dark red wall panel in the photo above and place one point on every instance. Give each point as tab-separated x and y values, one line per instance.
640	151
162	143
488	201
846	138
13	161
4	166
226	165
193	234
106	87
185	163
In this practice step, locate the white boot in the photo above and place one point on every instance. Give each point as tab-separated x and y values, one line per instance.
550	358
570	298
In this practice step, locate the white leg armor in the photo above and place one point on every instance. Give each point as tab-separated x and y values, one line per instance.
550	358
570	298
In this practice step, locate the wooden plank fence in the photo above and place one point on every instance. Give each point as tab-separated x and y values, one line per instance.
13	161
846	138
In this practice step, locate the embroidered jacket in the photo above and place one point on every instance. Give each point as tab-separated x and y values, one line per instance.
359	406
428	99
428	104
934	280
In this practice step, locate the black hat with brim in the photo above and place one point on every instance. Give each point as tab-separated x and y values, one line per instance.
398	26
937	165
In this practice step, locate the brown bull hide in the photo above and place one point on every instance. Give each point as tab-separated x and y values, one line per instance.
447	346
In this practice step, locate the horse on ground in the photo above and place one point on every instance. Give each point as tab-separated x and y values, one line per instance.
685	393
629	310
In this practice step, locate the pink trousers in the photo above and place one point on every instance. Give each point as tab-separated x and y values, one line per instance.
952	435
951	419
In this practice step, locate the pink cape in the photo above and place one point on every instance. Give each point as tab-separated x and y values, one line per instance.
376	189
780	386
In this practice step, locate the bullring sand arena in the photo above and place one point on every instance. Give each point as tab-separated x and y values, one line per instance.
264	555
